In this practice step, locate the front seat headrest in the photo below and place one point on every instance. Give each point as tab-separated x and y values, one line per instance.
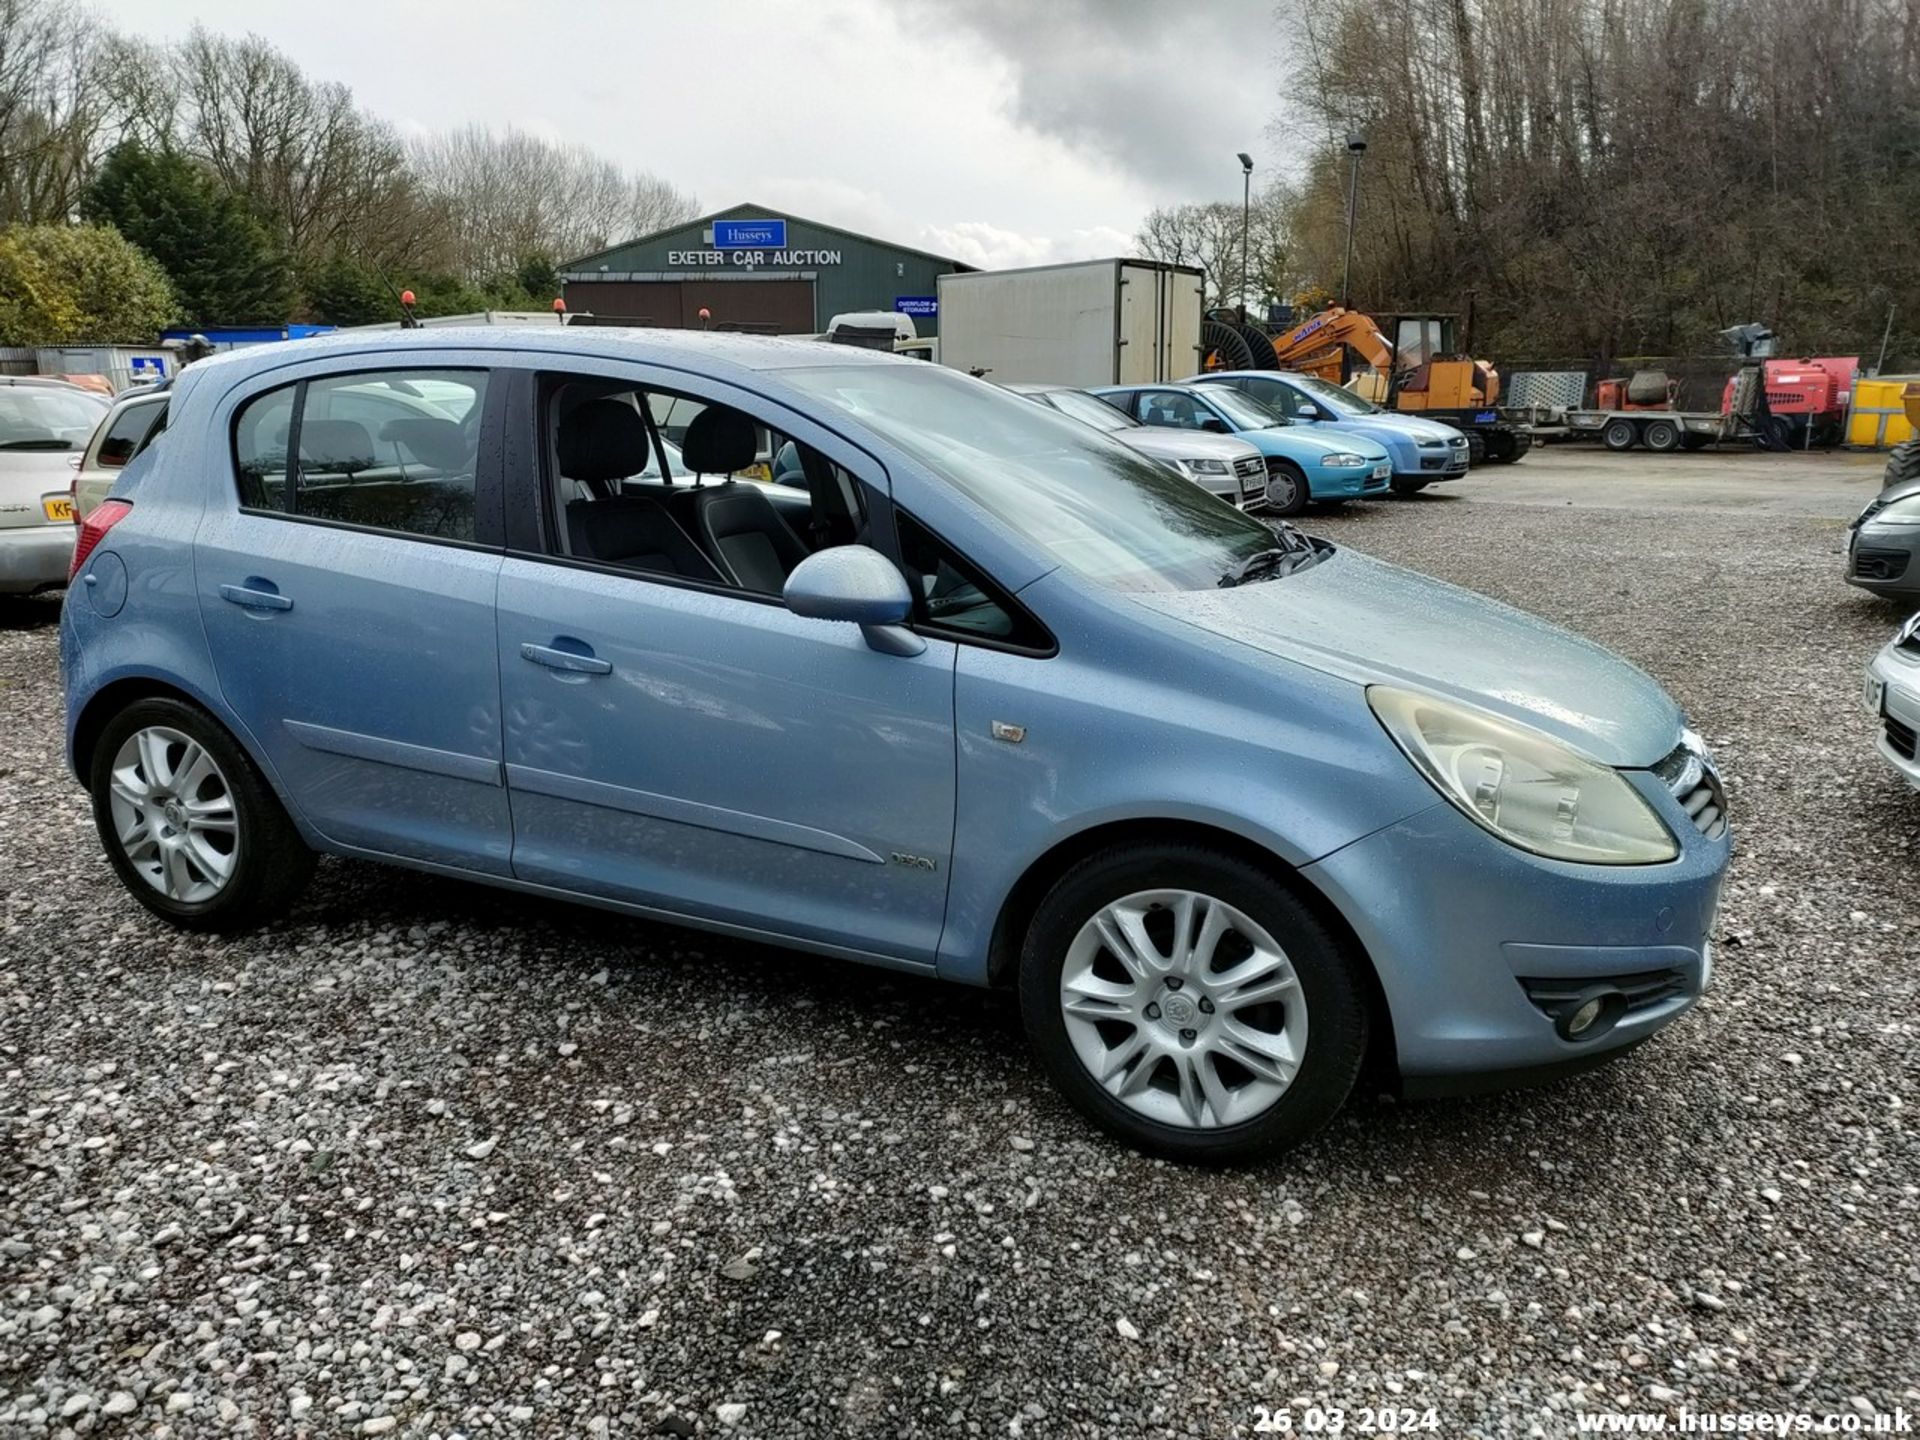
602	440
720	441
439	443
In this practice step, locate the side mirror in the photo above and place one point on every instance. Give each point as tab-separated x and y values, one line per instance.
1214	424
1309	412
858	585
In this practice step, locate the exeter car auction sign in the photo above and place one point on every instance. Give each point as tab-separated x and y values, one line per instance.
744	258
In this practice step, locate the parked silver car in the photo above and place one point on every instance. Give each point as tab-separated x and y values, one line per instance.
43	425
1229	468
133	423
1883	543
1893	698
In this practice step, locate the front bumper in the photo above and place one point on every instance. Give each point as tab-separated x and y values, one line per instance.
1885	559
35	557
1350	484
1893	695
1464	931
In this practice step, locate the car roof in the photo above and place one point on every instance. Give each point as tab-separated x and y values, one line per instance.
50	382
649	345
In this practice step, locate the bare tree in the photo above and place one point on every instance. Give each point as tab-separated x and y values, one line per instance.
1209	235
510	195
49	122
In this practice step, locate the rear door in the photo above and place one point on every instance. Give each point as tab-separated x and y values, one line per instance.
347	588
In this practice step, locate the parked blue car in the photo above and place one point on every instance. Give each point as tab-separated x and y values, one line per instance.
1423	451
988	697
1301	466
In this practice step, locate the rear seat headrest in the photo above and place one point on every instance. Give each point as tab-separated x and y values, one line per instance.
601	440
720	440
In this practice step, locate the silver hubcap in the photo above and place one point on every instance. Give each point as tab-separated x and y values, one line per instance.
173	814
1184	1009
1282	491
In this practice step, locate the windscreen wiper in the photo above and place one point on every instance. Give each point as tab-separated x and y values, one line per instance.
1261	562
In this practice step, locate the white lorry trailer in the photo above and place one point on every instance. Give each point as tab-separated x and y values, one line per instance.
1097	322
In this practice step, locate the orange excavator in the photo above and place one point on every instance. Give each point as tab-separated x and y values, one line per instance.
1410	361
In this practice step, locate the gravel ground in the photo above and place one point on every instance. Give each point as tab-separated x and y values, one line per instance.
429	1160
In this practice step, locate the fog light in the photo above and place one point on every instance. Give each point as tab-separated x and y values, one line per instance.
1589	1014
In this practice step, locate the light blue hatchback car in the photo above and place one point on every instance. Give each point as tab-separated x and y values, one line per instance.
987	696
1302	464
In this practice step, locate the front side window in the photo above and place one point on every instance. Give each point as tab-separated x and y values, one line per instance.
389	450
1072	493
952	597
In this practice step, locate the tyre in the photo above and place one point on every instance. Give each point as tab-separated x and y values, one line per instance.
1620	435
1287	492
1903	464
1661	435
189	824
1191	1004
1503	447
1405	485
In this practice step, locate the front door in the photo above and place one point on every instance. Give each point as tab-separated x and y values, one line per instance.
348	602
719	757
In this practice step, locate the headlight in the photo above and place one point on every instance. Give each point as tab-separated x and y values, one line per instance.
1345	462
1525	787
1206	467
1904	511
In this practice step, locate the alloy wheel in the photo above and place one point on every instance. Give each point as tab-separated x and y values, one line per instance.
1184	1009
174	814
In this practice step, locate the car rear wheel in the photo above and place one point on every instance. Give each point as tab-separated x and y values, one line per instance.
1287	492
190	826
1190	1004
1620	435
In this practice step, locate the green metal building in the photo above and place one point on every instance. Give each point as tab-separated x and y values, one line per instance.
754	269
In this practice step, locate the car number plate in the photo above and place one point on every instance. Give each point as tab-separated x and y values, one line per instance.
58	507
1382	472
1876	695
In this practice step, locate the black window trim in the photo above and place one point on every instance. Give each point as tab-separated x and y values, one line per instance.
995	591
489	489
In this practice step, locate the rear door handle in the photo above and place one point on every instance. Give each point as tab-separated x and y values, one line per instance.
573	660
252	599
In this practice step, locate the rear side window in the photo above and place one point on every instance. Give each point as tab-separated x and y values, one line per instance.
128	433
393	450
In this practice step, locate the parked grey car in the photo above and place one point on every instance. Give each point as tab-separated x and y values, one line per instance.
1893	699
1883	543
43	426
1229	468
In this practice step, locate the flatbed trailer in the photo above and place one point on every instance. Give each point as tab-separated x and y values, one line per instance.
1658	430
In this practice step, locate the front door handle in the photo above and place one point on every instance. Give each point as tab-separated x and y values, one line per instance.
251	598
572	660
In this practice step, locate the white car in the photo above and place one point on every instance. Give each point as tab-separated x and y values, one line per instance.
1893	698
123	432
43	425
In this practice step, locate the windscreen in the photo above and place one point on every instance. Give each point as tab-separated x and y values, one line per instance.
47	417
1243	410
1089	410
1336	399
1086	500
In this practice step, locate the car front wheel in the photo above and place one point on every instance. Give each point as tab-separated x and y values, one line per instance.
190	826
1190	1004
1287	492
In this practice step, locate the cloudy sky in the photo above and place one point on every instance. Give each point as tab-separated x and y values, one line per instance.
1000	132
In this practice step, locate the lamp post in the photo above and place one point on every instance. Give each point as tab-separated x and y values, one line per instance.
1356	147
1246	210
